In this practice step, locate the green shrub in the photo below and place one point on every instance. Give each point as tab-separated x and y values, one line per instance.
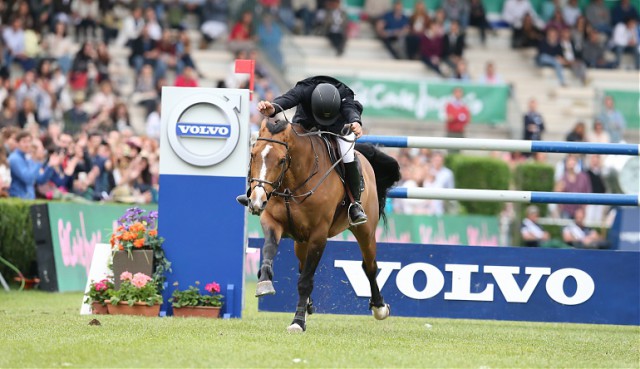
534	177
477	172
17	244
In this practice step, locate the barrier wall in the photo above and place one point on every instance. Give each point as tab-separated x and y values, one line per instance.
501	283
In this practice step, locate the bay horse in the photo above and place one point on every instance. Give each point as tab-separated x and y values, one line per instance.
298	194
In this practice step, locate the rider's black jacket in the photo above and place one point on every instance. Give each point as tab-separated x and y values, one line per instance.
300	96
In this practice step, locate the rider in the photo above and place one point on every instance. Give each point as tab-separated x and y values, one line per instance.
327	104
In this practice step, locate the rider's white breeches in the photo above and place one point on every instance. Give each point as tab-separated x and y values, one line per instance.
347	147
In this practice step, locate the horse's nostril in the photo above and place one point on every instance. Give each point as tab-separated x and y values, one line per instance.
264	204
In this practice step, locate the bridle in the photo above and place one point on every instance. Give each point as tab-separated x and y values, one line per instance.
275	185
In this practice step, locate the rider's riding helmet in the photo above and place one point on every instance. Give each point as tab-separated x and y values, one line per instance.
325	104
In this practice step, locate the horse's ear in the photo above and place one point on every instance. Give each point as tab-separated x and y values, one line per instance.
263	124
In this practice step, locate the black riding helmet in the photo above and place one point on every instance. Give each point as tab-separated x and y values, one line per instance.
325	104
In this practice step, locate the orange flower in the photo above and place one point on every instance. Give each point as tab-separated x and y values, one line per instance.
121	248
138	243
137	227
153	233
121	228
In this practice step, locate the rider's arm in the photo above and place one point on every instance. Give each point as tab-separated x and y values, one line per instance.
350	111
288	100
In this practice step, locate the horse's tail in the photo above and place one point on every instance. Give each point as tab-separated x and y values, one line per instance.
387	173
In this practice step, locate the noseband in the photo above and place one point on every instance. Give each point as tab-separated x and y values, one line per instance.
275	185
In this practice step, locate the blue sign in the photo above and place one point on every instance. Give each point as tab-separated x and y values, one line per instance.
501	283
625	231
203	130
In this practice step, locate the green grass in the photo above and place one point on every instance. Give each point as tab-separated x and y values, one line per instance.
40	329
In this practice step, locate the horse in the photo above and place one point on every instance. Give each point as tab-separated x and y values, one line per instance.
298	194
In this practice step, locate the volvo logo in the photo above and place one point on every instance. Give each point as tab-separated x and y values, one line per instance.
205	133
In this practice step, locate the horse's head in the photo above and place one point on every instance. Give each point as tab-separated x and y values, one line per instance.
269	162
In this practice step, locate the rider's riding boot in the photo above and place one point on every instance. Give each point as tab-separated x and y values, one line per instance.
243	199
356	212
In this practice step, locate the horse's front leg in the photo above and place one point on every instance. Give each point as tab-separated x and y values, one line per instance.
305	284
272	234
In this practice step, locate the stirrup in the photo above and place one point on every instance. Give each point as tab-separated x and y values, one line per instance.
354	222
243	200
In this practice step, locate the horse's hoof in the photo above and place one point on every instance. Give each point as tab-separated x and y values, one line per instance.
382	312
295	328
265	288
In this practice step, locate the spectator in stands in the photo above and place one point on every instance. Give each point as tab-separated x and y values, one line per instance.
457	115
144	51
579	34
214	21
571	57
533	122
76	118
167	55
243	29
183	51
43	15
622	10
305	11
269	34
8	138
153	123
119	118
580	236
572	182
151	22
514	12
85	14
131	27
431	46
548	9
457	11
145	93
5	173
613	120
412	177
625	40
593	52
550	55
59	46
102	61
28	115
599	134
9	113
28	88
461	72
557	22
375	9
598	15
26	173
529	35
392	28
62	10
187	78
333	22
478	18
490	77
453	45
418	23
432	207
531	232
83	68
104	181
577	134
443	175
571	12
14	45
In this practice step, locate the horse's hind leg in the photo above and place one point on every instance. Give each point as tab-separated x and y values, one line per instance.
272	234
309	262
366	240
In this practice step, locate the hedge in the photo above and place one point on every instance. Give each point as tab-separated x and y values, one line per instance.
16	237
477	172
534	177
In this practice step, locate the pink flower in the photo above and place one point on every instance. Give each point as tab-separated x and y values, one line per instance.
140	280
212	287
125	276
101	286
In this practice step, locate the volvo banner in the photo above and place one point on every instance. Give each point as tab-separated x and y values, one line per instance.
204	156
502	283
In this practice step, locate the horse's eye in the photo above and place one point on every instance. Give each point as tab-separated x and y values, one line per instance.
282	161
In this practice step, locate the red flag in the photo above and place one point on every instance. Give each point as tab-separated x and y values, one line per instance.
247	66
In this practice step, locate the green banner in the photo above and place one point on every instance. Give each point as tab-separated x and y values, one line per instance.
628	103
75	231
469	230
426	100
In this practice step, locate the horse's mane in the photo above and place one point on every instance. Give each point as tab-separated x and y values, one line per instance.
277	126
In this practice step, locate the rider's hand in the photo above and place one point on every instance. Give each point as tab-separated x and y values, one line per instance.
357	129
266	108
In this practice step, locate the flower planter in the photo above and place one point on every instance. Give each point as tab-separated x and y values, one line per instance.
98	309
140	261
139	308
197	311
